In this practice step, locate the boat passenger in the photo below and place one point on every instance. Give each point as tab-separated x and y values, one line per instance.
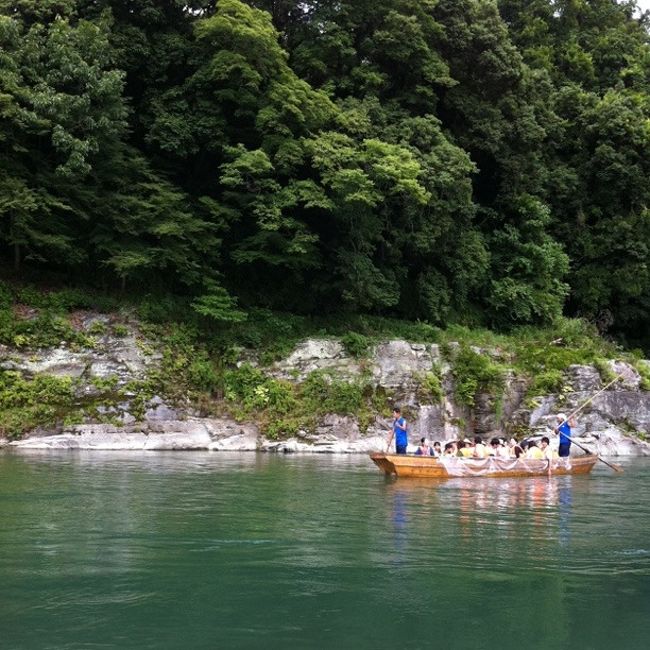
547	452
423	448
494	447
436	450
534	452
544	445
450	449
514	449
480	450
465	449
563	428
502	449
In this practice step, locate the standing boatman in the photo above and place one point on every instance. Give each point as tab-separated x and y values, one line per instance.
399	431
564	429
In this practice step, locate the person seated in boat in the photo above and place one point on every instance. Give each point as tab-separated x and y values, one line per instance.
547	452
451	449
465	449
563	428
480	450
498	449
514	448
423	448
545	446
533	452
436	450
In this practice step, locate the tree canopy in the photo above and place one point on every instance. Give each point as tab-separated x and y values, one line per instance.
474	161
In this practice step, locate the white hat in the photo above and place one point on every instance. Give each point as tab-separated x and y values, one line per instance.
561	417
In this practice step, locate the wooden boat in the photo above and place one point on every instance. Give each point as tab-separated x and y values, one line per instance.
451	467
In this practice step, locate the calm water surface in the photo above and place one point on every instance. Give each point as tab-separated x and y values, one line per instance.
167	550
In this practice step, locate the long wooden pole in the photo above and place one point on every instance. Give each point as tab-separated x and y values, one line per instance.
591	399
392	433
616	468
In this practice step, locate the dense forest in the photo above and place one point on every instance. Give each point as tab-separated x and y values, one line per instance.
479	162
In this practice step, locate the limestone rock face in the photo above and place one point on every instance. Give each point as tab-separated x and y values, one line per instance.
58	362
189	434
400	363
228	435
629	378
630	408
159	411
316	354
337	427
615	422
584	378
121	358
338	446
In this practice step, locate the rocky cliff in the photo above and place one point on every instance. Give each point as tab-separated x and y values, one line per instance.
616	421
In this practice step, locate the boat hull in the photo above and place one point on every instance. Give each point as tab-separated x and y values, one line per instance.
427	467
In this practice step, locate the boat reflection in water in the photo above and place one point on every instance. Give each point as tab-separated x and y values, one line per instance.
471	509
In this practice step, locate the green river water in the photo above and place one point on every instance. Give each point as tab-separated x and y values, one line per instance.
200	550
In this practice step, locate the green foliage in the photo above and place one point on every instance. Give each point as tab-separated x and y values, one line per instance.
98	329
458	162
203	375
6	297
59	300
547	382
283	408
105	384
44	330
119	330
528	269
474	373
162	309
356	345
28	403
430	387
643	368
218	305
251	388
329	395
549	351
605	370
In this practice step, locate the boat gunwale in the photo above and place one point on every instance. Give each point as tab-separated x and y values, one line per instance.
416	466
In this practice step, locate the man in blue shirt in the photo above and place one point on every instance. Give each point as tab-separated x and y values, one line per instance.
564	429
399	431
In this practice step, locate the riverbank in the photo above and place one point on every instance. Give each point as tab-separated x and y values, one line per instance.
203	434
73	376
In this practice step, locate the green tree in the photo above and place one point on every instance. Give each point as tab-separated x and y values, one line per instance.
597	56
527	269
74	193
381	62
61	104
245	145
